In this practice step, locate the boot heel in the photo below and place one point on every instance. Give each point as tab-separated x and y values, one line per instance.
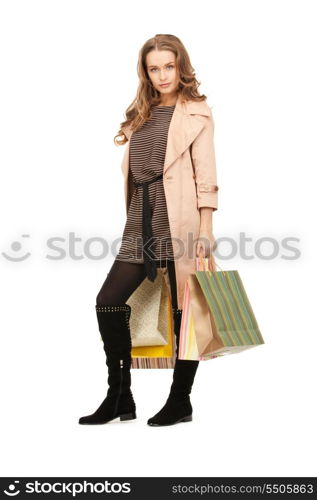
187	419
128	416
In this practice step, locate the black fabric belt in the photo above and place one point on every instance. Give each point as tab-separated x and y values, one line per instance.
147	234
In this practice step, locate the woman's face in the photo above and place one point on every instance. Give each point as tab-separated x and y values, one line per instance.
161	68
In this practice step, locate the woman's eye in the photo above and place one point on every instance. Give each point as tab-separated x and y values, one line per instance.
154	69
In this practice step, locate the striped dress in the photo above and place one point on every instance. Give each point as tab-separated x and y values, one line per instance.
146	157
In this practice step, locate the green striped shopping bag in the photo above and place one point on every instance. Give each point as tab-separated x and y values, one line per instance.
217	317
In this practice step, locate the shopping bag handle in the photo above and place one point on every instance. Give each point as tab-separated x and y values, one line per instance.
206	263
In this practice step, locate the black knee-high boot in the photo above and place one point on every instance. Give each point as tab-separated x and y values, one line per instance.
115	332
178	407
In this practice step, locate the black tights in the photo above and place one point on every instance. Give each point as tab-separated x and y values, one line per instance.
125	277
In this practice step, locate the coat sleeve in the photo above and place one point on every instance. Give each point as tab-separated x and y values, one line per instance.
204	164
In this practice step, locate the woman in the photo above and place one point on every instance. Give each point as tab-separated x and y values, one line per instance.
170	194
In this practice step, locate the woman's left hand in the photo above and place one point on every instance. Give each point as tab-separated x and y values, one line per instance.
205	243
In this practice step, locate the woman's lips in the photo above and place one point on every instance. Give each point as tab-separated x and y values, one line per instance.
164	85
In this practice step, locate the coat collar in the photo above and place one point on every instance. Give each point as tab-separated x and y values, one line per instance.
193	107
185	125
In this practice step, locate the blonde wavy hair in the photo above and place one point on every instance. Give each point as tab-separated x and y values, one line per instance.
147	96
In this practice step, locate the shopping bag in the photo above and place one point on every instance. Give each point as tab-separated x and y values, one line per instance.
217	316
150	319
163	356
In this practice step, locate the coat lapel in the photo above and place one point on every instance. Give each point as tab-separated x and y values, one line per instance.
184	127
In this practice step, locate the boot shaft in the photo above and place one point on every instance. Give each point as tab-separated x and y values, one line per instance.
114	327
184	370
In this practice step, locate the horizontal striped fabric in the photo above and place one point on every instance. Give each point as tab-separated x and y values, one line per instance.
146	157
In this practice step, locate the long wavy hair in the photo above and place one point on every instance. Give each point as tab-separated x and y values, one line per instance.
147	96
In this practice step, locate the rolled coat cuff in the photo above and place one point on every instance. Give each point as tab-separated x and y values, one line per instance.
207	196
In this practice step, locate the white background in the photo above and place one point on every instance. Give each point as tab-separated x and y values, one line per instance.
68	72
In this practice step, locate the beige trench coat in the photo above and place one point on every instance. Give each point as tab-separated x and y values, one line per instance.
189	180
